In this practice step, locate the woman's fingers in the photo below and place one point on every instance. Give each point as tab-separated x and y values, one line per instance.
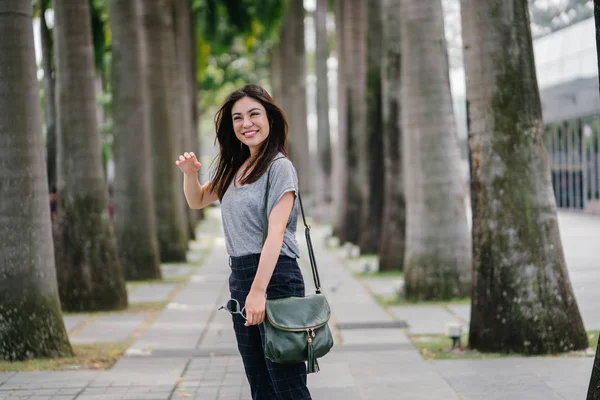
249	318
188	156
254	318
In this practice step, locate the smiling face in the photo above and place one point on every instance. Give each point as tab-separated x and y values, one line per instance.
250	123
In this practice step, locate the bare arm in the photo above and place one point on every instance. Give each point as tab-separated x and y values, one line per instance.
256	300
197	196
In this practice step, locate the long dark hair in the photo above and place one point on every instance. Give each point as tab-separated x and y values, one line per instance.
234	153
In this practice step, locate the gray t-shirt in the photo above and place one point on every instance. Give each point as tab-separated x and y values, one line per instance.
243	211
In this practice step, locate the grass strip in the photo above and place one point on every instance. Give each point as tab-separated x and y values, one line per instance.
439	347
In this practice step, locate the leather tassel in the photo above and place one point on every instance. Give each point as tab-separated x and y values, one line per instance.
311	357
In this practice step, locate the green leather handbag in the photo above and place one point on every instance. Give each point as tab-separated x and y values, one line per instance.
296	328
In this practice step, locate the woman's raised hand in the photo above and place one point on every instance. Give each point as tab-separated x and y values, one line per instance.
188	163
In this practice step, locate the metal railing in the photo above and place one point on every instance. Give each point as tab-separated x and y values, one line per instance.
574	157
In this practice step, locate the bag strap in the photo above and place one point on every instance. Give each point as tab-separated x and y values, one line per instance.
311	253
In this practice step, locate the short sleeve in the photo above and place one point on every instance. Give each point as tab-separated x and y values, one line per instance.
282	179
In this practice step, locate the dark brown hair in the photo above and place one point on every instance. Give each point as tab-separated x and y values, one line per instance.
233	153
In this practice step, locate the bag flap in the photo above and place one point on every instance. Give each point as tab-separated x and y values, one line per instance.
298	313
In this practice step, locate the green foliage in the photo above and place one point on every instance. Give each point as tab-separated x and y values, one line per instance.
226	72
234	38
40	6
100	31
220	22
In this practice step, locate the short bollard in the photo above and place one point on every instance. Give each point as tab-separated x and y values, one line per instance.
454	332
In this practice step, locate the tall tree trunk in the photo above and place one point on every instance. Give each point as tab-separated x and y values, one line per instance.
438	247
177	95
90	276
276	77
594	387
391	250
182	35
355	82
32	324
372	152
519	265
172	231
135	215
340	157
292	55
49	96
323	136
193	84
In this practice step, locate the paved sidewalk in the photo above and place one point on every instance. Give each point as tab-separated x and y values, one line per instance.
189	350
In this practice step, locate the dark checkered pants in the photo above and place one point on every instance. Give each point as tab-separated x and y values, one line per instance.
268	380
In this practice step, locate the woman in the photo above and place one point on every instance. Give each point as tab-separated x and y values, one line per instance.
252	135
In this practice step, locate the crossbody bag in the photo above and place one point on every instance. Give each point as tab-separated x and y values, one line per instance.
296	328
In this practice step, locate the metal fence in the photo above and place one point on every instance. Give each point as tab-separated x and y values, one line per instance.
574	156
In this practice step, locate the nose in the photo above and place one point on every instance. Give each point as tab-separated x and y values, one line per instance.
247	122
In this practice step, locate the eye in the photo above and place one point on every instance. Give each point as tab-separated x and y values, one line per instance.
255	114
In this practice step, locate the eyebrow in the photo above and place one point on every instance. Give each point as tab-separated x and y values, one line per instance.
252	109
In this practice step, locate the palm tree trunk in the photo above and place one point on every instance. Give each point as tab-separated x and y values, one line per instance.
438	249
193	84
90	275
49	96
340	158
519	265
135	218
323	136
391	250
292	55
32	324
172	230
182	36
372	152
355	114
594	387
276	72
177	94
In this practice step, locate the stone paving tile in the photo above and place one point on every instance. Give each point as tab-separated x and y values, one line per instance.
387	287
4	376
50	379
150	292
220	333
343	393
371	336
71	321
425	319
175	270
127	393
211	378
110	328
502	386
462	310
518	377
553	372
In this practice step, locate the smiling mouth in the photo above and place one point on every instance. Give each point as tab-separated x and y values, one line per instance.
249	134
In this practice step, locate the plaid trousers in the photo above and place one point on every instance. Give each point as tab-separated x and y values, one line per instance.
268	380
